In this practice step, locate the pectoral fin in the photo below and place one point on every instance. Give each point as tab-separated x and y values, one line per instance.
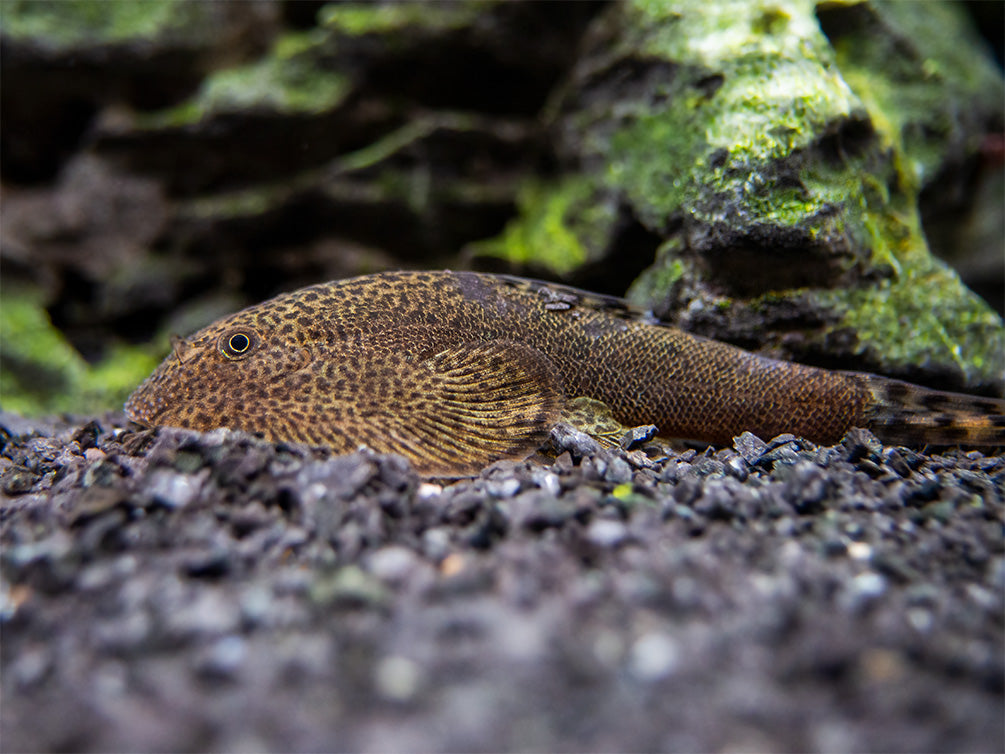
595	419
469	406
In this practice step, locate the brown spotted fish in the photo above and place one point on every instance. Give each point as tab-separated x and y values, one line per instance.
454	370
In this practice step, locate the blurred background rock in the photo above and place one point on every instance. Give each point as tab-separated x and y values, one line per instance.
768	173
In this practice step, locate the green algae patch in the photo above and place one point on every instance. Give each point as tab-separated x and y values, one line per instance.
925	317
669	270
552	222
287	81
235	204
387	146
733	100
41	373
63	24
358	19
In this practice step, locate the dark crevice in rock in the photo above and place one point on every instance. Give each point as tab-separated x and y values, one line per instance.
35	154
839	19
632	248
852	138
957	215
632	78
486	67
49	97
214	156
301	14
735	259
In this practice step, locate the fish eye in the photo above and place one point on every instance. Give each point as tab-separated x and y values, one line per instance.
238	343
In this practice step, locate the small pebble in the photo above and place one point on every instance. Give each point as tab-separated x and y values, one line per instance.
637	435
653	657
223	659
17	480
397	678
567	438
859	550
618	471
427	491
750	447
93	455
392	563
606	533
171	489
863	590
435	543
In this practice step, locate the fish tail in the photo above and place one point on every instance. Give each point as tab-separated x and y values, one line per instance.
900	412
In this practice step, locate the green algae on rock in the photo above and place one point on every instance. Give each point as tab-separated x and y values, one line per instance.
71	23
357	19
780	163
286	81
64	62
447	177
40	372
542	235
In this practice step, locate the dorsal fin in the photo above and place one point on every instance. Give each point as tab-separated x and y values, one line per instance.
559	296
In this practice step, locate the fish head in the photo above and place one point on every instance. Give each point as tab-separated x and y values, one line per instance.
233	373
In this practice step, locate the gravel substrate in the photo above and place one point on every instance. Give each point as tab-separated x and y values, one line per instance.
172	590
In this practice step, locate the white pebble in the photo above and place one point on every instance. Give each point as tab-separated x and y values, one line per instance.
606	533
397	678
653	657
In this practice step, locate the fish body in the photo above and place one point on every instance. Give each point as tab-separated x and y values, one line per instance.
454	370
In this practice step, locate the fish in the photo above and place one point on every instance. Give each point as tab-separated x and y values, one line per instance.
456	370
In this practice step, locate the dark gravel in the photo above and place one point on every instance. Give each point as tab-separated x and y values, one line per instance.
180	591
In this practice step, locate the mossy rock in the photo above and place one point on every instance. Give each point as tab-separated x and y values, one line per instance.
556	223
382	20
286	81
781	166
74	24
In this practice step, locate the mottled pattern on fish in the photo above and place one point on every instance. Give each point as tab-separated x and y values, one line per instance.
456	370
